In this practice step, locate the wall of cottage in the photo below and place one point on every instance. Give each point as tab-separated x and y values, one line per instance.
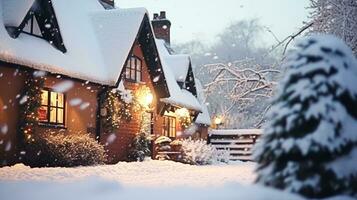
11	83
78	120
119	147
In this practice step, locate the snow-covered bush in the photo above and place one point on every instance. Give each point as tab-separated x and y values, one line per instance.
309	145
221	156
64	150
163	145
139	148
198	152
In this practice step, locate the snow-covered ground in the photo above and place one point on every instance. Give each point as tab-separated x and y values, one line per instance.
144	174
150	180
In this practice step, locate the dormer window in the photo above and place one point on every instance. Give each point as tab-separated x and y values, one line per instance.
40	22
133	69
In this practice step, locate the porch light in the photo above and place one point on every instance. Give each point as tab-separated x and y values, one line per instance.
144	97
148	99
218	120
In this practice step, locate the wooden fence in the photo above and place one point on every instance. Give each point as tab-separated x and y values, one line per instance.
239	142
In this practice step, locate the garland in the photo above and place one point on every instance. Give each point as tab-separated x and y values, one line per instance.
114	110
30	102
118	106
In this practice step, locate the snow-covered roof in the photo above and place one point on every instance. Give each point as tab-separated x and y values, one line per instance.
14	11
179	63
178	97
98	41
204	117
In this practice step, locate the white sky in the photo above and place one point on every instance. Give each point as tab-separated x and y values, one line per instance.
204	19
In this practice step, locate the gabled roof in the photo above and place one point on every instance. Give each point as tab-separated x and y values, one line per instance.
14	11
204	117
179	63
178	97
98	41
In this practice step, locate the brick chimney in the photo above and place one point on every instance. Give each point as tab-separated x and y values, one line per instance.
161	26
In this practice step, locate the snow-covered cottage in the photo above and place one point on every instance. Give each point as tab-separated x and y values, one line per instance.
62	59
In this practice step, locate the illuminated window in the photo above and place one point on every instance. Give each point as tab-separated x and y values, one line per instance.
169	126
133	69
52	108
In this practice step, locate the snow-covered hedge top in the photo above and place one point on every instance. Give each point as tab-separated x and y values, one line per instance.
162	139
236	132
98	41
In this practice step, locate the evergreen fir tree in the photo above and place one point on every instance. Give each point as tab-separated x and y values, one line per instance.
309	144
140	147
29	103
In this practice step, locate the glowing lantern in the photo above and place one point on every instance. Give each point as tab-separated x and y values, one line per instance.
144	97
218	120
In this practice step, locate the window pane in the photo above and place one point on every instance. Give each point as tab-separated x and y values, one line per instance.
44	97
138	75
127	73
53	99
132	60
60	116
138	64
53	115
132	74
60	100
42	113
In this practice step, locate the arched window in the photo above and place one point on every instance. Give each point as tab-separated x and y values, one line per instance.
133	69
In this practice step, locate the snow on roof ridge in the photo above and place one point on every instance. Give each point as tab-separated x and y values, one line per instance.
87	46
178	97
204	117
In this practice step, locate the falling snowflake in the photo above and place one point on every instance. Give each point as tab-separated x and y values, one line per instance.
75	102
111	138
8	146
63	86
23	99
4	129
156	79
84	105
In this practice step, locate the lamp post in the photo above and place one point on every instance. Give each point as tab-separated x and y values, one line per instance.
218	120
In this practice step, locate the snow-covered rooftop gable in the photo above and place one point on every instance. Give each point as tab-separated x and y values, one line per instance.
15	11
178	97
179	63
98	41
204	117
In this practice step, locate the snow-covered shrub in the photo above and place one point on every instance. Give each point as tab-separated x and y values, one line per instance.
221	156
163	145
198	152
139	148
64	150
309	145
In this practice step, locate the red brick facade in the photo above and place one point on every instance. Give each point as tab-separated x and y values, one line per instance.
78	121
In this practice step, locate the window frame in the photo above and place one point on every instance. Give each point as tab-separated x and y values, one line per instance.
169	126
56	107
129	69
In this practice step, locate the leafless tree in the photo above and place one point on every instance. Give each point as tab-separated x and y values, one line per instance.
337	17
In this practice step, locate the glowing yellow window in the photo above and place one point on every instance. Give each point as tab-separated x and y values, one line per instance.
133	69
169	126
52	108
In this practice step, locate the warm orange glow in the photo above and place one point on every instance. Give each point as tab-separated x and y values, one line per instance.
182	112
145	97
218	120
